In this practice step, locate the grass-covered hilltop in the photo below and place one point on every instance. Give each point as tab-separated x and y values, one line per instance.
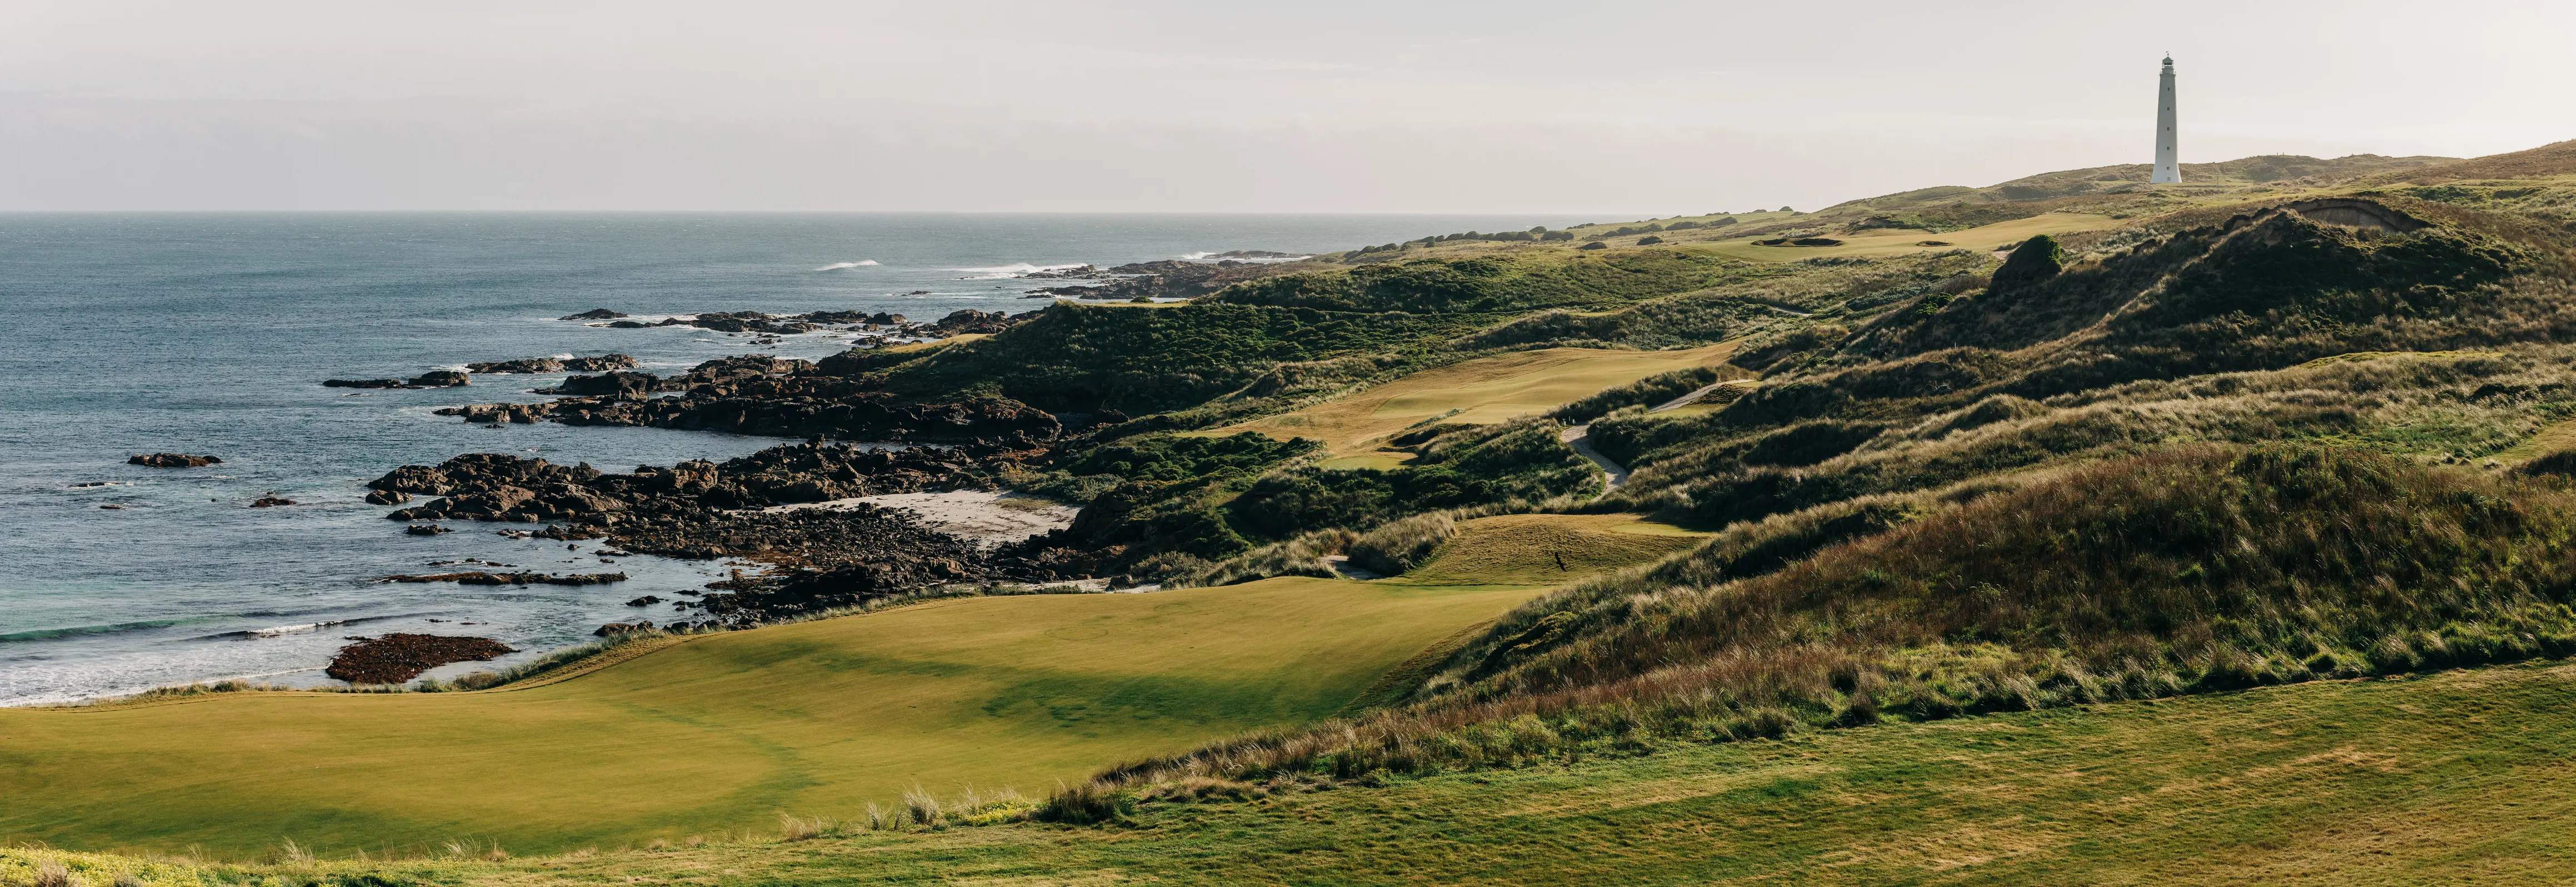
2073	530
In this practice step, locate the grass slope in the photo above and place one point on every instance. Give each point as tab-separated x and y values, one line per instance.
1880	242
1480	391
2453	778
1547	549
725	731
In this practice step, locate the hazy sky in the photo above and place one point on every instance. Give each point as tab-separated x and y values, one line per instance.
1635	108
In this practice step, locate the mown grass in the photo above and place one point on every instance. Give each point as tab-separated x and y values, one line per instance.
722	731
2451	778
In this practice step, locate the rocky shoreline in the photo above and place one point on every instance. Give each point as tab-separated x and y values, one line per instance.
818	558
810	559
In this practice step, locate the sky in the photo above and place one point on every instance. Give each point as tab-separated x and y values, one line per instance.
1630	109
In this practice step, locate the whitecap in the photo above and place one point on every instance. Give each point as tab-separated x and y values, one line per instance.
1014	269
836	266
290	629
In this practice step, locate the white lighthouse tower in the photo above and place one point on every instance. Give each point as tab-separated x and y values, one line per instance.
2168	166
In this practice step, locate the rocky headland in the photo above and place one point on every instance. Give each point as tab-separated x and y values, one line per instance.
1165	279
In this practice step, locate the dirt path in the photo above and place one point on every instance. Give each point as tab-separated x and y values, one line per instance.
1579	437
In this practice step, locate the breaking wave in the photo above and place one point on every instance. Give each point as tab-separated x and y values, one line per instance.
1015	269
836	266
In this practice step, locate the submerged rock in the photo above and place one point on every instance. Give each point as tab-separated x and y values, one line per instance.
173	460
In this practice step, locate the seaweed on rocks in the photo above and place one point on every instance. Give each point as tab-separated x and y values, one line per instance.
399	657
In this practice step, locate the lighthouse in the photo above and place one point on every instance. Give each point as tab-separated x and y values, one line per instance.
2168	167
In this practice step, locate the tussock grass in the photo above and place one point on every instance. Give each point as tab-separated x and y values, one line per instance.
1398	547
1300	556
2191	570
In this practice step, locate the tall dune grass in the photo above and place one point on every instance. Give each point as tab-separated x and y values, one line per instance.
2196	569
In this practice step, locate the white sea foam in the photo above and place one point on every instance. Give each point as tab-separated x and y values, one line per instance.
1204	255
836	266
290	629
1015	269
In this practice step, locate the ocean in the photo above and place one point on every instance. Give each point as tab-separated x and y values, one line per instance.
211	334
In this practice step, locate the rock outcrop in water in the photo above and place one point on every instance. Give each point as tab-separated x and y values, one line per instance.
172	460
526	365
594	314
395	658
481	578
763	395
431	379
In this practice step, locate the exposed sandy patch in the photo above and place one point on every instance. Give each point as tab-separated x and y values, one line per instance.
989	519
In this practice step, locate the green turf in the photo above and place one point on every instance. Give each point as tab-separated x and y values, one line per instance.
2454	778
725	731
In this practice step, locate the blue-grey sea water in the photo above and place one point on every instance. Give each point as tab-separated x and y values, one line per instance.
210	333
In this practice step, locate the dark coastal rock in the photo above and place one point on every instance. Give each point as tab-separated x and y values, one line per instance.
173	460
705	510
645	601
395	658
528	365
495	413
479	471
593	314
1171	279
1078	272
614	629
426	529
270	502
480	578
749	322
522	365
387	497
608	385
440	379
969	320
365	383
632	325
